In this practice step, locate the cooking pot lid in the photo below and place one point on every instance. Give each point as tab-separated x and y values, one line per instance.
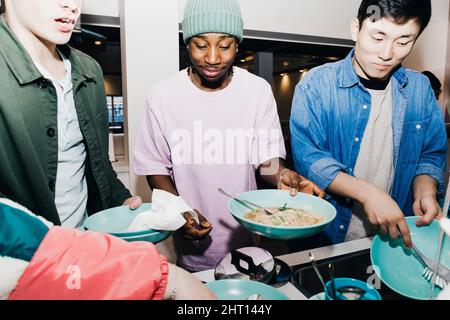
246	263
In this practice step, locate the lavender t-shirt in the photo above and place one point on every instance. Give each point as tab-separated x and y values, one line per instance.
206	140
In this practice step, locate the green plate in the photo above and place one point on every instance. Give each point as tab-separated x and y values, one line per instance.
116	221
277	198
232	289
398	268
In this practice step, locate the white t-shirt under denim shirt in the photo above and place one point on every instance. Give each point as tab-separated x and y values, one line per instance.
71	187
375	159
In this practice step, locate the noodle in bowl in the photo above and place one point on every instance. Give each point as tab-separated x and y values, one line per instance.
289	217
311	215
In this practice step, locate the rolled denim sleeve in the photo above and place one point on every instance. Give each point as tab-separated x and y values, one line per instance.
434	153
309	140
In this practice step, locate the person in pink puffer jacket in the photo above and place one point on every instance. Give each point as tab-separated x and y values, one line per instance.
55	263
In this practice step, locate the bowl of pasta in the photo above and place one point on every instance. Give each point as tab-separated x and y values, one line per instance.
292	217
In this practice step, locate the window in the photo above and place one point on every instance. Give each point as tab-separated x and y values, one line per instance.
115	113
103	44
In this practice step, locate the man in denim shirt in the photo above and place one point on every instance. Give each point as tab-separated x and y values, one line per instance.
370	132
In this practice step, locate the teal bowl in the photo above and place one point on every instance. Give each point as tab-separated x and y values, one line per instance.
371	292
277	198
153	237
233	289
399	269
116	221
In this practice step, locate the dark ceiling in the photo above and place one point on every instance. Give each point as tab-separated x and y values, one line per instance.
107	53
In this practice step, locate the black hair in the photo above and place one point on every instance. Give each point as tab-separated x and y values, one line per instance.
401	11
3	6
435	83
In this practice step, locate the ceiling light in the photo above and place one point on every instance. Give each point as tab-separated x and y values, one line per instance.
249	58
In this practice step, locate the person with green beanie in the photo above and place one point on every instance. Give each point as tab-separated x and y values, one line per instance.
212	125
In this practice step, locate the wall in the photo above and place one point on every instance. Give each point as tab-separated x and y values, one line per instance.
144	63
431	50
108	8
321	18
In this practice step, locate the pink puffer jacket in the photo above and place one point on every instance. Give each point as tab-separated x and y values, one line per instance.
74	265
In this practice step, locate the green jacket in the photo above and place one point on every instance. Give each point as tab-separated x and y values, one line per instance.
29	131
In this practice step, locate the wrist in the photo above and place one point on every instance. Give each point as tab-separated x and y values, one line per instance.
365	191
426	194
425	187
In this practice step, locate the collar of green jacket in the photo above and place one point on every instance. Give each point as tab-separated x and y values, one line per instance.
21	64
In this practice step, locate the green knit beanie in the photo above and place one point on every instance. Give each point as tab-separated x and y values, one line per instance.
212	16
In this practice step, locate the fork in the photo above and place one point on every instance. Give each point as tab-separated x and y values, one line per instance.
443	273
244	202
312	258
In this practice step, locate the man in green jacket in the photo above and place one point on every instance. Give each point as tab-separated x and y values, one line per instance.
53	117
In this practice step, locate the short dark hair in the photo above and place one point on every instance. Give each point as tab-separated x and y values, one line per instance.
401	11
2	9
435	83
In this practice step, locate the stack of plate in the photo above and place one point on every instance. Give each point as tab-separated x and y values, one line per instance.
116	221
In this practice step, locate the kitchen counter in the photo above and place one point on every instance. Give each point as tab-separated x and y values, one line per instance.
302	258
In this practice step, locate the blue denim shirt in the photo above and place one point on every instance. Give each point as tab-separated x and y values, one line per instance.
330	112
